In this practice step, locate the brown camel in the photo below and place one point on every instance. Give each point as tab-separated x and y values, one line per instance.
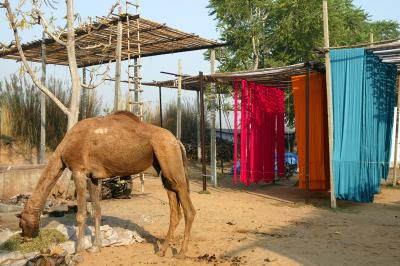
114	145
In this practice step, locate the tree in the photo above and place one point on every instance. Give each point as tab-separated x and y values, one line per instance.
18	20
271	33
288	31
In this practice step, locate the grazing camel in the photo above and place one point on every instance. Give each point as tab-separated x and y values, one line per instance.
114	145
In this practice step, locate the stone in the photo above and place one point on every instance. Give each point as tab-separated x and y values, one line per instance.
10	208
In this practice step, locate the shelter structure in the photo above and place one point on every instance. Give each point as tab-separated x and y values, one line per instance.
280	77
115	38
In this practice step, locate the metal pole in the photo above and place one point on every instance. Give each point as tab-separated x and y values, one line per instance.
179	103
42	153
159	92
202	133
213	144
307	133
220	128
396	139
329	100
118	49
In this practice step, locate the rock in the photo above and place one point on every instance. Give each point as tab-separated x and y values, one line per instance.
10	208
16	258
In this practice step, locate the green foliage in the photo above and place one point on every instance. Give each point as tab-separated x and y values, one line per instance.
45	238
288	31
20	107
271	33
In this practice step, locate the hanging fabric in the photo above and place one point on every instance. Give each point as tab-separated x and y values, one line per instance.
262	137
318	144
363	99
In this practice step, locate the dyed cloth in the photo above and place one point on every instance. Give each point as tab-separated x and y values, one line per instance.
363	99
262	136
318	130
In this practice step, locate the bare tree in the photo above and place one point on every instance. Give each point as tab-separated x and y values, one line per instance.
73	111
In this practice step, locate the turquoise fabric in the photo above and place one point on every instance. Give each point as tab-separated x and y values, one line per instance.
363	90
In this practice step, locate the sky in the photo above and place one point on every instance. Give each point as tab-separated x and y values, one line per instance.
190	16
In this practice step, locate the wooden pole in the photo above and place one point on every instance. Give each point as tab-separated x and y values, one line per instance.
42	153
198	127
179	103
118	50
396	139
213	144
329	100
135	107
159	92
371	39
202	133
307	133
220	128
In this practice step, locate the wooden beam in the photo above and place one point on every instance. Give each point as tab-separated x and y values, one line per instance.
179	102
396	139
213	144
118	50
307	172
42	152
329	100
202	133
160	98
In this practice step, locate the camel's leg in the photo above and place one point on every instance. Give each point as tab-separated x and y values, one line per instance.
94	186
175	217
80	184
189	213
171	159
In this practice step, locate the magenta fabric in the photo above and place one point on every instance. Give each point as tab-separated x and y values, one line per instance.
262	125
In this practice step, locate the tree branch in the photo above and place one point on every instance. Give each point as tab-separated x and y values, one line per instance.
46	29
41	87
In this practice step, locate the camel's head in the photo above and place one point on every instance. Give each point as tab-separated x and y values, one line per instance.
29	223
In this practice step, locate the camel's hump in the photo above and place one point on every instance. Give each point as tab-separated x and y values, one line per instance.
128	114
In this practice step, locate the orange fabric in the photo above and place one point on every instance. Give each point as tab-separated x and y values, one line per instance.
319	150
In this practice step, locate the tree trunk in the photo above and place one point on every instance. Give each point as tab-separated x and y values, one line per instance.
73	67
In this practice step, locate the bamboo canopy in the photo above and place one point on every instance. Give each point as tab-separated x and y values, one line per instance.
280	77
96	42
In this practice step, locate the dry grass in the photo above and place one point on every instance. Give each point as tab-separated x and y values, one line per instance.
46	238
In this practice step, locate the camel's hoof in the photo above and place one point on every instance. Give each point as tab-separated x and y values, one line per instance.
161	253
94	249
180	256
78	258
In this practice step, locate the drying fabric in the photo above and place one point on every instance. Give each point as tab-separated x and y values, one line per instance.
318	130
363	99
262	138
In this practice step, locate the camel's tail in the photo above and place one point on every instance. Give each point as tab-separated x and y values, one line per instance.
47	181
184	160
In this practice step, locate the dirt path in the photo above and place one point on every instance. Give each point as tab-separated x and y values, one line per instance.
247	228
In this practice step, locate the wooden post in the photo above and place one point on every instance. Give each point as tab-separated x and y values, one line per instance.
198	126
220	128
159	93
396	138
307	168
202	133
118	49
371	39
213	144
42	153
329	99
179	103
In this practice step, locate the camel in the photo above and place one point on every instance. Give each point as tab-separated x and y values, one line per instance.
115	145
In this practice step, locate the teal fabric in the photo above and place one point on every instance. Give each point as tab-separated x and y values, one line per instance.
363	91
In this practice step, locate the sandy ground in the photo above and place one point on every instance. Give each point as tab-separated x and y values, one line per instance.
253	226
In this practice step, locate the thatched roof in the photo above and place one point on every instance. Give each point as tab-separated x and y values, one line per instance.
96	42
